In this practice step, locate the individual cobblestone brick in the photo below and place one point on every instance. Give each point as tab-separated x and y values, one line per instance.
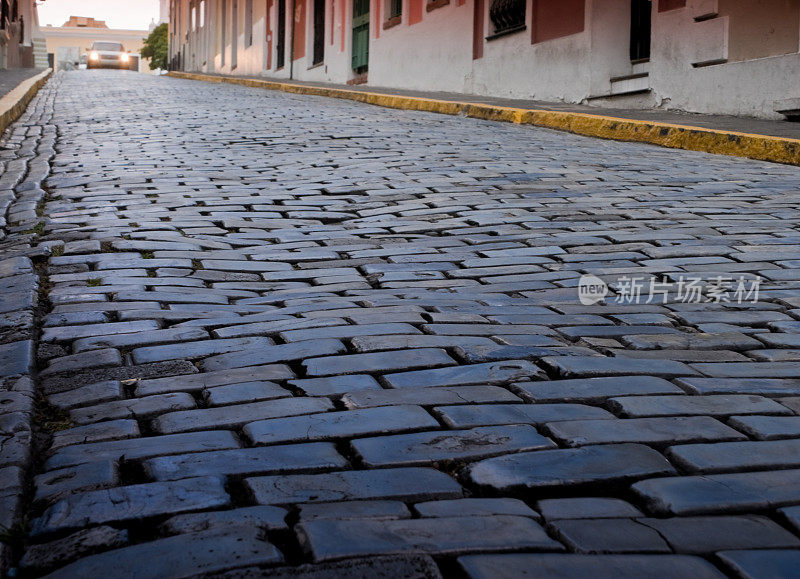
749	369
475	507
330	425
261	517
197	382
182	555
767	427
596	566
246	461
236	415
704	535
69	333
490	373
722	341
586	508
594	389
735	456
609	536
456	445
592	366
137	448
376	509
133	408
755	386
100	432
377	362
348	331
719	493
46	556
83	361
560	468
87	476
199	349
16	358
495	414
654	431
132	503
87	395
244	392
750	564
139	339
719	405
429	396
409	565
281	353
407	484
335	539
331	385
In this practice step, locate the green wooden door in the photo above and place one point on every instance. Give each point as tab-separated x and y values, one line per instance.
360	34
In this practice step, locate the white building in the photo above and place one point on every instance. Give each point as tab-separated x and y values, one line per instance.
736	57
163	11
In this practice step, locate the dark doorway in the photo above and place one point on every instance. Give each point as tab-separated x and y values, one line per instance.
281	42
319	31
360	35
234	34
640	29
224	31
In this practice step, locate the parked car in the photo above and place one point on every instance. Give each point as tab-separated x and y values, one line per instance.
107	54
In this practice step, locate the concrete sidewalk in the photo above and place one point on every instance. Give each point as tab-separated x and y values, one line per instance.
10	79
767	140
17	88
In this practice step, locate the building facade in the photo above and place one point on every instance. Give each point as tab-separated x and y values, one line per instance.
68	43
19	39
738	57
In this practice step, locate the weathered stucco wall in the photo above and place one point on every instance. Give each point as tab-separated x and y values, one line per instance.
714	56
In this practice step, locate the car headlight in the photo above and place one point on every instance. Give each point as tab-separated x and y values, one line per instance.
124	57
94	56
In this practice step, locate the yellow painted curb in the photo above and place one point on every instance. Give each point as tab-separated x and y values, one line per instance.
760	147
13	104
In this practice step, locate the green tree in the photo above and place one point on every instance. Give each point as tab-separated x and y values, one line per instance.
156	47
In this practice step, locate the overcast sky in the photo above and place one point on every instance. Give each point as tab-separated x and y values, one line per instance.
131	14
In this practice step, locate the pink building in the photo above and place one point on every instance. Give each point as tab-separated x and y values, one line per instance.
736	57
19	25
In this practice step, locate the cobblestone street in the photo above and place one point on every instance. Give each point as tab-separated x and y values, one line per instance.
254	330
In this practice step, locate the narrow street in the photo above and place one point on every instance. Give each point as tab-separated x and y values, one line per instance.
277	330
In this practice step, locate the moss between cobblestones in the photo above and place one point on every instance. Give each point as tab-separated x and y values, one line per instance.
760	147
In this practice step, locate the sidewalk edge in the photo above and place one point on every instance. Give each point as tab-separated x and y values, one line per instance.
13	104
718	142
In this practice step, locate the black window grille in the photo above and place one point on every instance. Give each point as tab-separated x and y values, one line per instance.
507	16
640	29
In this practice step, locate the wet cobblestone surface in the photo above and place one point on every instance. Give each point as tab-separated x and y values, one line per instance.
251	333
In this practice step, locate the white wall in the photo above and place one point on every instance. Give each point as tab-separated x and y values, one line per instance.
436	55
415	58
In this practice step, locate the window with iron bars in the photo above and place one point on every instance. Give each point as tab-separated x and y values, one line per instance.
507	16
395	8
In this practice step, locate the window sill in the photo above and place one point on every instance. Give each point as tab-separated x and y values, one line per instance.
392	22
434	4
508	32
316	65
